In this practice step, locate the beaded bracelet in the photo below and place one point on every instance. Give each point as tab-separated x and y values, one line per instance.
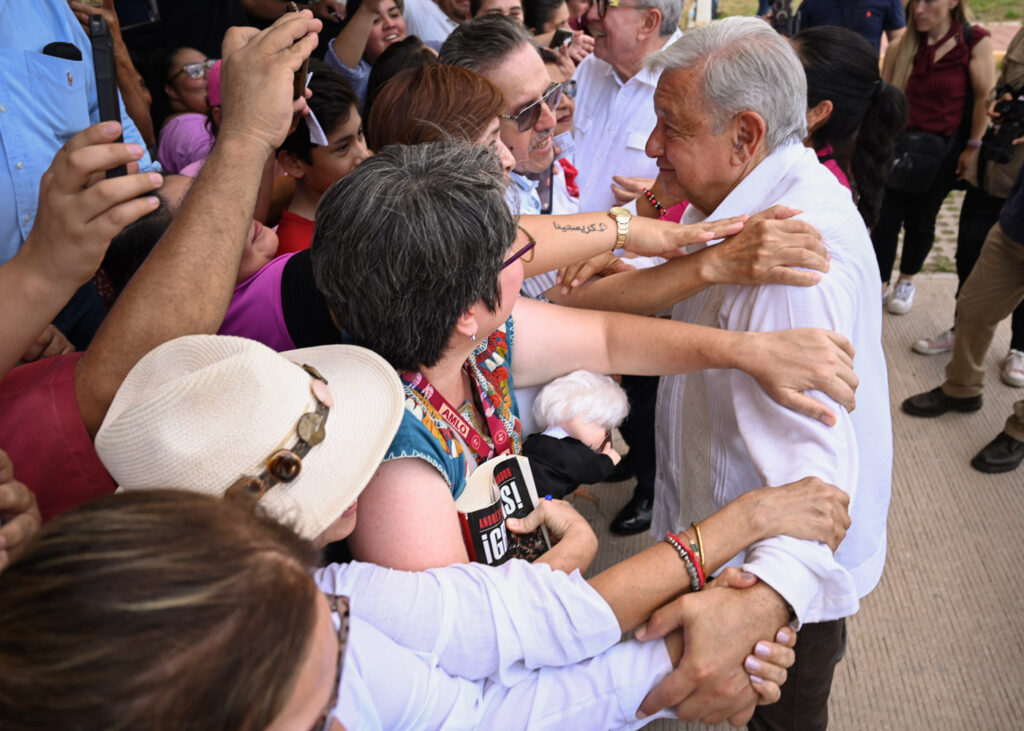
653	201
689	562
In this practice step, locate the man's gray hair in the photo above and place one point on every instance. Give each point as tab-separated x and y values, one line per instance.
483	43
744	65
671	11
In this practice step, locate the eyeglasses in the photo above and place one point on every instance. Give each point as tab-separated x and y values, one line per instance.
525	253
603	5
339	606
569	88
527	117
285	465
196	69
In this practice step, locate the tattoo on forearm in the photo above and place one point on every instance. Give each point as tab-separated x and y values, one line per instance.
583	229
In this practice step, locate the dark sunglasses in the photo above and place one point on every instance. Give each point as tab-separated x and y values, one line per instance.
569	88
196	69
527	117
603	5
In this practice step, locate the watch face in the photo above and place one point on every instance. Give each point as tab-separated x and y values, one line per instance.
619	211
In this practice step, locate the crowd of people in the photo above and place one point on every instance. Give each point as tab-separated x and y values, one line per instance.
357	252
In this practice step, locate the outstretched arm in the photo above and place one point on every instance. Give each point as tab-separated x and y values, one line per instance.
552	341
185	284
767	251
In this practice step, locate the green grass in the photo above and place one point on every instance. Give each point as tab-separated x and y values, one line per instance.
984	10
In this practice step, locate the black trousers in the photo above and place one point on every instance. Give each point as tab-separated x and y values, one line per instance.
638	430
804	702
978	214
916	214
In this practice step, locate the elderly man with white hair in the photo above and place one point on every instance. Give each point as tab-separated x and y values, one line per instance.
614	114
730	108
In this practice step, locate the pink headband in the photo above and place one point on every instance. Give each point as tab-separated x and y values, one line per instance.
213	84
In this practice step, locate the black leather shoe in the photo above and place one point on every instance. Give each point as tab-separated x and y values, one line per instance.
936	403
635	517
1002	454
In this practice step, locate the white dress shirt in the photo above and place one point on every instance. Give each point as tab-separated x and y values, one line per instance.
425	19
612	123
719	434
471	646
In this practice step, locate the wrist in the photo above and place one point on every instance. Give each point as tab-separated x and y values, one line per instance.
973	144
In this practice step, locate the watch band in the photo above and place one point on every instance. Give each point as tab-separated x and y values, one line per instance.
621	217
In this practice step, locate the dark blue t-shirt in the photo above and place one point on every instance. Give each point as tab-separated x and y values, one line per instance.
867	17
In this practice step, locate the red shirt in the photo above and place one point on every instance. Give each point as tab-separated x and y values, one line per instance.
294	233
42	431
937	90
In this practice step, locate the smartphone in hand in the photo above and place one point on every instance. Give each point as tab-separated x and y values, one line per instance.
106	77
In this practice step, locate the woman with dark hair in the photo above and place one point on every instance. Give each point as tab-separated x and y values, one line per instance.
939	63
409	53
853	117
180	106
370	28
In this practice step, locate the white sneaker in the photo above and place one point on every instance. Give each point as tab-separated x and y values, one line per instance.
902	298
941	343
1013	368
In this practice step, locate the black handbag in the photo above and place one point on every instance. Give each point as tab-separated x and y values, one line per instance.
917	160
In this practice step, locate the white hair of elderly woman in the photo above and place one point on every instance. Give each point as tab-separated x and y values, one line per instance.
590	397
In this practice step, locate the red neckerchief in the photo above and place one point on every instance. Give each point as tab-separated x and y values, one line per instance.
473	438
571	186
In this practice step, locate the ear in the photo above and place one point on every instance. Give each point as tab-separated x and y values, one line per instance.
748	130
291	164
650	24
468	325
215	112
172	93
818	115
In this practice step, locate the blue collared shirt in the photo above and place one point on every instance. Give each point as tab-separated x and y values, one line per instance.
44	101
521	195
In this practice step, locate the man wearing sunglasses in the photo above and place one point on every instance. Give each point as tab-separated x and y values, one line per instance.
615	106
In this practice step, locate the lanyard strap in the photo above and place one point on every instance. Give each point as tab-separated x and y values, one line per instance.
469	434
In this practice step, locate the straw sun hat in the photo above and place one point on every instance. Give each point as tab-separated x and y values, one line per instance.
203	411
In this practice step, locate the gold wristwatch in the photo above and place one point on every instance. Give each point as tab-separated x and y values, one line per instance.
621	217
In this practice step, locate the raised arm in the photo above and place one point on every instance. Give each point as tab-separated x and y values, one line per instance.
134	93
185	284
350	44
552	341
79	212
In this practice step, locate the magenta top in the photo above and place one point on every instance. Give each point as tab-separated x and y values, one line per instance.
183	140
255	311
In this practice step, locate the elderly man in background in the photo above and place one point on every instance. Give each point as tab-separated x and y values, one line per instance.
730	120
614	109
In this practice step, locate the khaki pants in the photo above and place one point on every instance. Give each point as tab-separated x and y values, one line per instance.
992	291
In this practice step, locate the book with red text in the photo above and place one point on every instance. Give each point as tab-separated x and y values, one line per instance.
500	488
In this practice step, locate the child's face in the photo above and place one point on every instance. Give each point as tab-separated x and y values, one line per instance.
345	149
